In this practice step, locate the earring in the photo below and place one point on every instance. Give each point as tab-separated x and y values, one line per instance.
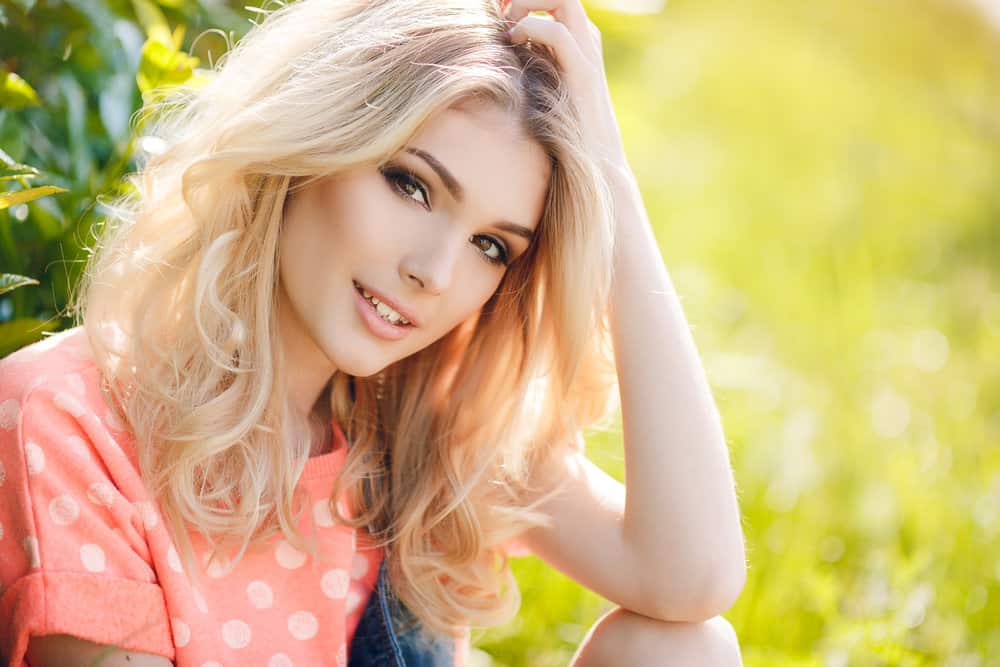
380	386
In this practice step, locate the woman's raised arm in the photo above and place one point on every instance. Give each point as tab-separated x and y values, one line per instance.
677	542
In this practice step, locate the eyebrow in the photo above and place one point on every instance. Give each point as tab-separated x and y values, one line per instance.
458	192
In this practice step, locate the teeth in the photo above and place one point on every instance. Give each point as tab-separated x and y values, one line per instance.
388	313
384	311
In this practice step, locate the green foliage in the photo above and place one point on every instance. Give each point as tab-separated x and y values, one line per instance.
15	93
822	178
73	75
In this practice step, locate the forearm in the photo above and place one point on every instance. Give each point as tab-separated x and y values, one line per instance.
681	514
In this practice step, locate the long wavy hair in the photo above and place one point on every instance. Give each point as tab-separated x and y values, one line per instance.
446	444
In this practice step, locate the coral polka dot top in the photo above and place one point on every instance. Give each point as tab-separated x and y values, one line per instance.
84	551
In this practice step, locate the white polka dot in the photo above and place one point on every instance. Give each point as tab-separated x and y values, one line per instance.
303	625
147	513
260	594
77	384
353	600
92	557
77	445
322	515
236	634
280	660
101	493
219	567
30	545
335	583
3	474
182	633
174	560
288	556
10	414
342	656
211	663
63	510
199	601
34	458
1	531
38	381
69	403
359	566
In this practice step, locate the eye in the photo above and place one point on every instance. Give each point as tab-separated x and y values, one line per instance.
492	249
406	184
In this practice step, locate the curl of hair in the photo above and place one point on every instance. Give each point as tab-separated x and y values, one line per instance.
184	273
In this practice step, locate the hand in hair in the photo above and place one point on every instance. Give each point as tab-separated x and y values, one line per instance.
576	42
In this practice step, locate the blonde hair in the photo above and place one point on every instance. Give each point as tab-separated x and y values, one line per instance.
446	444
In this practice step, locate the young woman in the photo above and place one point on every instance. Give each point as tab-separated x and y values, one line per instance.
335	358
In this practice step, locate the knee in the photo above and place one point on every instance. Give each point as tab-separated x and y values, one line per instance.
622	638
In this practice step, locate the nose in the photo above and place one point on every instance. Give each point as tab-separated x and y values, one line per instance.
431	267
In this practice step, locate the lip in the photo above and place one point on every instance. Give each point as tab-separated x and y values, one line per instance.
395	305
376	325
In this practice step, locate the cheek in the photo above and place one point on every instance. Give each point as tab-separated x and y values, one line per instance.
366	229
474	292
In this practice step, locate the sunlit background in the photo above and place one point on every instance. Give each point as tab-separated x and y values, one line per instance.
824	178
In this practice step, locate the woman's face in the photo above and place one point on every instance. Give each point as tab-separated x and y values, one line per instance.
431	234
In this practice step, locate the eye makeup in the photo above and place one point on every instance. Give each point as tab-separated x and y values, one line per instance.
406	184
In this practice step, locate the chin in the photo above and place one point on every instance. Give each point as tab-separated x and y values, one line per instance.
358	368
358	363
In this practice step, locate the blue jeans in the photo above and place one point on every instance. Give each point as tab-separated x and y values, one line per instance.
389	635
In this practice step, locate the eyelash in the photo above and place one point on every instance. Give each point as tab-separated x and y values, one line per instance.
397	175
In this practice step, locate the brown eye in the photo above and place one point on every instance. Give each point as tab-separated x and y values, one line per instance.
493	250
406	184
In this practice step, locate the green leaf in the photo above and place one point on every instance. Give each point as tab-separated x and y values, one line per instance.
8	199
179	35
15	93
26	5
14	170
163	65
11	281
23	331
152	21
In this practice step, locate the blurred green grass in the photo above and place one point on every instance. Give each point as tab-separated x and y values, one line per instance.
823	179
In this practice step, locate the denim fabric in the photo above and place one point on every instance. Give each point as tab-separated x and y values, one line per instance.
389	635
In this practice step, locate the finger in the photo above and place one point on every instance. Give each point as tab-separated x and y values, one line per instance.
553	34
569	12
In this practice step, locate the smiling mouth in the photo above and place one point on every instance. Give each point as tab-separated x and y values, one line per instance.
385	312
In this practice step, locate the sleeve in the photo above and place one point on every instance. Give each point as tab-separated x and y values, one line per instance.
73	553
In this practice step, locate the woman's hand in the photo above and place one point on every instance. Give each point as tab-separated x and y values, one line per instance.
576	42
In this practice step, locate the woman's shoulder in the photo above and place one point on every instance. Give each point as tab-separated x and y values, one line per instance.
45	362
51	395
